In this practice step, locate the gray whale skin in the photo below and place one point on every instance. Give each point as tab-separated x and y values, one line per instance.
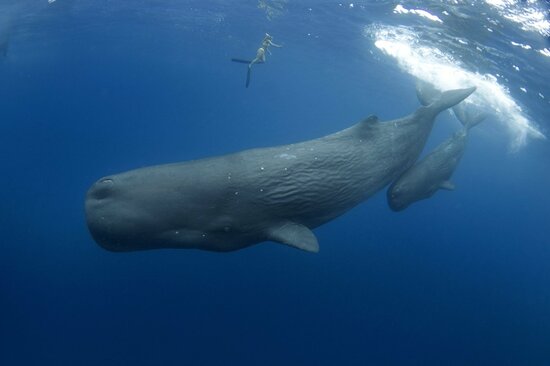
275	194
433	172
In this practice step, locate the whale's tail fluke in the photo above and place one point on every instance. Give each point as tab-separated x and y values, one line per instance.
450	98
468	116
438	101
426	93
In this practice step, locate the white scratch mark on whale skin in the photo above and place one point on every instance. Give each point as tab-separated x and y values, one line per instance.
286	156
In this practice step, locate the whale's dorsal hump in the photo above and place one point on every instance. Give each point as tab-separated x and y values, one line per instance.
294	235
365	127
370	120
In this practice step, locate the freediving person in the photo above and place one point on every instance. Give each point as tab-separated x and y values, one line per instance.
260	55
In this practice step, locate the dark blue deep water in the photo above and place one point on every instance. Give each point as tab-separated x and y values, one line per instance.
95	87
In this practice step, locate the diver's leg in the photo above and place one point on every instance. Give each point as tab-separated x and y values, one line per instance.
256	60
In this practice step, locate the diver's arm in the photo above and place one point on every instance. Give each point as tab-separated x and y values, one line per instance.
275	45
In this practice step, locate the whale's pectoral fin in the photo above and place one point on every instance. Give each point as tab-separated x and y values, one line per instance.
294	235
447	185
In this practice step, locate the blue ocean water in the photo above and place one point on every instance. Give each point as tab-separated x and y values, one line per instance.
91	88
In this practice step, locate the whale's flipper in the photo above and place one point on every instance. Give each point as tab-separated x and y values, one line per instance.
467	116
295	235
448	185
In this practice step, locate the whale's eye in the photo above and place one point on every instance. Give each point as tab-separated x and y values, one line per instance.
102	188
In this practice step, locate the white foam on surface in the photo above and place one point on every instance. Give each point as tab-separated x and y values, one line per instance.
528	14
524	46
400	9
431	65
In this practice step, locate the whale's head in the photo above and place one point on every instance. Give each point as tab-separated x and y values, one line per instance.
166	206
118	219
399	196
415	185
150	208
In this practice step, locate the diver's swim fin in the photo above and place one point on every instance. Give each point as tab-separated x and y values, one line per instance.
241	61
248	76
249	63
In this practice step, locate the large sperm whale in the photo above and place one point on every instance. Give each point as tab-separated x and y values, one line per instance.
275	194
434	172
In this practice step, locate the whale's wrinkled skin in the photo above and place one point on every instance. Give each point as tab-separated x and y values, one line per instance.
433	172
268	194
